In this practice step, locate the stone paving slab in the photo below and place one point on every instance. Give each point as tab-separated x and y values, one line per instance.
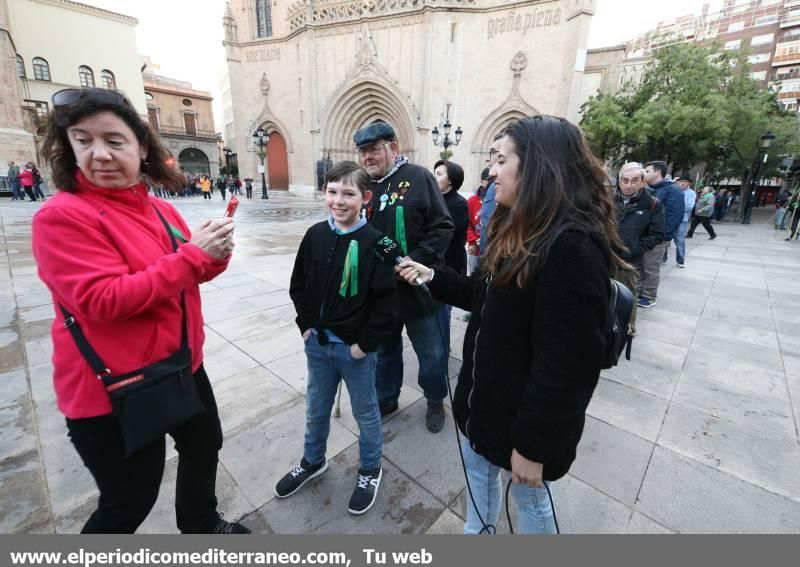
696	434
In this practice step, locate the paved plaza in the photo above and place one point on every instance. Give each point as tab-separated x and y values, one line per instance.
698	433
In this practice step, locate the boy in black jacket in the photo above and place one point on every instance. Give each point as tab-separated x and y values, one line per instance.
344	297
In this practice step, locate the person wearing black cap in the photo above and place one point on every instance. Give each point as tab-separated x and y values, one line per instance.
408	206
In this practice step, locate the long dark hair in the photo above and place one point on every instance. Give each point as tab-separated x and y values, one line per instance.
561	185
158	165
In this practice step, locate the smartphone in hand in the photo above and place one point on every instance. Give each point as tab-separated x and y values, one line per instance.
232	204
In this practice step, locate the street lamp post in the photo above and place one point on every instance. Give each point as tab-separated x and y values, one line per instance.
764	143
446	142
261	139
228	152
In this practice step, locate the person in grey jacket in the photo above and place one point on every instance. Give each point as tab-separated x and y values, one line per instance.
702	214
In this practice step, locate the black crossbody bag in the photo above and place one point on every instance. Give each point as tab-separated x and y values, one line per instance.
150	401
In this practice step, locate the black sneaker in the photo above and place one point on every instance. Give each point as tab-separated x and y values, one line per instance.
434	418
228	528
366	491
297	477
387	406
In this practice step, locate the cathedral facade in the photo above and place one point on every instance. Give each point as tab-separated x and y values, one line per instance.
313	72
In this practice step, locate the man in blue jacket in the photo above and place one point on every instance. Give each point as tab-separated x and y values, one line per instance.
671	197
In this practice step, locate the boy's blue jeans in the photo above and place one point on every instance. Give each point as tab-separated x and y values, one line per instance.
534	512
326	366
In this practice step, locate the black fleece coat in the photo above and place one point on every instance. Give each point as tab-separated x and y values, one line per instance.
532	356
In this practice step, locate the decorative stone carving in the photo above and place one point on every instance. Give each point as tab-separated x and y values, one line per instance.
321	12
264	84
519	63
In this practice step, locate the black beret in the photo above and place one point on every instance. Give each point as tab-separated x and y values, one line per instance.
684	178
372	133
485	173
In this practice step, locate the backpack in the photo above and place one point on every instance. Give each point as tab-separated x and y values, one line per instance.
618	330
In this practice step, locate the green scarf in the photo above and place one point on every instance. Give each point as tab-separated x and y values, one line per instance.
350	271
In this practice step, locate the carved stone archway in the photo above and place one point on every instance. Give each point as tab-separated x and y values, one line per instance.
513	108
366	94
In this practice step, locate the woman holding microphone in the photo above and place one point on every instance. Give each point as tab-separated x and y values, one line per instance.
534	346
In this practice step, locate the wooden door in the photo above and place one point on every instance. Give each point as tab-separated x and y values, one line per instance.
277	162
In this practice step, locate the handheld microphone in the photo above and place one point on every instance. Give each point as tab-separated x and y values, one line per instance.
390	252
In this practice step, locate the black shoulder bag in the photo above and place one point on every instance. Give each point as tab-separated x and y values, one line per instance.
618	331
150	401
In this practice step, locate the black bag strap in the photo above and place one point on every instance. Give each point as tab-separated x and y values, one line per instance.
96	364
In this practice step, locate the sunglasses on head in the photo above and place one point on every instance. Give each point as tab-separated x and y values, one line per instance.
65	97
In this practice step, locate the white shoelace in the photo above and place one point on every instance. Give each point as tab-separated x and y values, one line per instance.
297	471
365	480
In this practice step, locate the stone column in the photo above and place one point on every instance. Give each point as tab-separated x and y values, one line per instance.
17	144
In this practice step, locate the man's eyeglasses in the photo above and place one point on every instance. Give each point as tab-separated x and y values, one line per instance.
373	151
65	97
627	181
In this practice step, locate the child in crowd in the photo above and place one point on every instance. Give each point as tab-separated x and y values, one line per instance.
344	297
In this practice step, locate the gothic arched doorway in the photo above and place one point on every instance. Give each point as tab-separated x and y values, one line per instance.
194	161
358	105
277	162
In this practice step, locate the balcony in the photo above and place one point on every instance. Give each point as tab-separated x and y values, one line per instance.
778	76
188	133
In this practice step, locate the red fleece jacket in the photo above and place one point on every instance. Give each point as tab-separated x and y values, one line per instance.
105	256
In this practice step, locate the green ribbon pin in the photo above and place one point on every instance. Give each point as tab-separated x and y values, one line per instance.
177	233
350	271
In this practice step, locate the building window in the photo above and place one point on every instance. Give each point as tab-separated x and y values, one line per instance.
186	102
756	59
733	44
40	110
107	79
86	76
735	26
759	76
20	67
762	39
189	124
152	117
766	20
264	18
41	69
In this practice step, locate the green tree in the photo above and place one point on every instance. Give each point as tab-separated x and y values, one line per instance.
695	104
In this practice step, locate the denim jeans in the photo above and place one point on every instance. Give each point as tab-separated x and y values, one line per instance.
426	338
326	366
534	513
680	242
16	191
444	314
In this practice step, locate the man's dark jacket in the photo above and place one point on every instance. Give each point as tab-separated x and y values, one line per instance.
640	223
671	196
426	224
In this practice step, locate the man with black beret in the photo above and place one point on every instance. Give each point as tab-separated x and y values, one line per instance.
408	206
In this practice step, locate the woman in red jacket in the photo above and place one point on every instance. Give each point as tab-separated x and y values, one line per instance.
127	269
26	180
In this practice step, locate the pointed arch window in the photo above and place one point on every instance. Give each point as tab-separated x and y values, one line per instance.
21	67
107	79
86	76
41	69
264	18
